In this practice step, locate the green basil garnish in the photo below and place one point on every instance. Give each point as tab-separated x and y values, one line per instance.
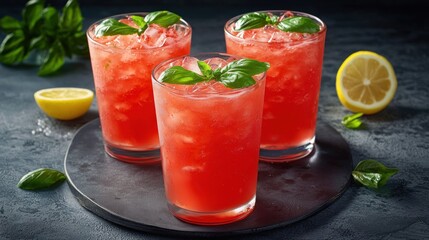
352	121
372	174
254	20
299	24
41	178
237	74
162	18
110	26
179	75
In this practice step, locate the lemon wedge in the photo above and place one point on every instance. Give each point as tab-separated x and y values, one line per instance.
64	103
366	82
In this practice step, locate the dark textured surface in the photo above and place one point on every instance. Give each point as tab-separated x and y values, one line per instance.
133	196
397	136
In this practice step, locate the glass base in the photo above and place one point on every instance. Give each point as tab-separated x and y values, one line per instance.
213	218
286	155
132	156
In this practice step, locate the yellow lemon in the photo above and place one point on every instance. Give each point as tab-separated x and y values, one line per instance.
64	103
366	82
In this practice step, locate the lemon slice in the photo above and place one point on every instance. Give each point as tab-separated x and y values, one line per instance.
366	82
64	103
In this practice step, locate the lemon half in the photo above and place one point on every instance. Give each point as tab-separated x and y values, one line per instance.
366	82
64	103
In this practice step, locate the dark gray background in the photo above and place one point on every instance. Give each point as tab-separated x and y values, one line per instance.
397	136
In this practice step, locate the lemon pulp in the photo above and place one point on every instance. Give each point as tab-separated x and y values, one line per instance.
366	82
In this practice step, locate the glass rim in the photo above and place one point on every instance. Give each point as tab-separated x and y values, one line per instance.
117	16
211	54
234	19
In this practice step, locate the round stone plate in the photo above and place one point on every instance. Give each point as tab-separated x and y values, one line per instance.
133	196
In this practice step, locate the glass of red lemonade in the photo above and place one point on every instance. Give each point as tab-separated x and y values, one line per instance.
209	135
124	49
293	43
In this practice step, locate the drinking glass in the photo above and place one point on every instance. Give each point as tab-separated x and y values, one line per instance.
122	66
293	83
210	137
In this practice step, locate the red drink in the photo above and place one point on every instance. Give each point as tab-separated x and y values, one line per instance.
293	84
210	137
122	66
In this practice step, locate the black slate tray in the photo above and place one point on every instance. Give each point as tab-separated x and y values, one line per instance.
133	195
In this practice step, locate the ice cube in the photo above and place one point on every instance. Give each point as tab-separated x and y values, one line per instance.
47	131
121	117
248	34
126	72
172	31
154	36
131	41
262	35
184	138
129	22
122	106
202	87
216	62
41	123
286	15
191	64
208	87
193	168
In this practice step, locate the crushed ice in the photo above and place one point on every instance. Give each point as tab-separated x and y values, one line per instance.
43	128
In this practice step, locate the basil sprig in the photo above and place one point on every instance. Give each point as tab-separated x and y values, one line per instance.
290	24
372	173
352	121
111	26
41	178
46	30
237	74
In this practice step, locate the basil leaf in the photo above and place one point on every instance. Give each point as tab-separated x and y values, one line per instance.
12	49
44	29
252	20
206	70
32	13
299	24
67	44
162	18
237	74
78	43
112	26
372	174
139	21
53	61
249	66
238	79
352	121
274	19
71	18
179	75
51	20
9	24
40	42
41	178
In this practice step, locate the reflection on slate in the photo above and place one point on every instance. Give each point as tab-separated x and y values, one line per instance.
133	196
